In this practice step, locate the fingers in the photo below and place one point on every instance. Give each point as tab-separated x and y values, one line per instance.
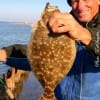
58	26
58	22
53	18
62	29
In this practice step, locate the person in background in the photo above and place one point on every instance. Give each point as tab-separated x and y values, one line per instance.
14	74
15	56
16	50
82	25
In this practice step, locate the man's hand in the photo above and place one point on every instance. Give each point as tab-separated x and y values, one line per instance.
65	22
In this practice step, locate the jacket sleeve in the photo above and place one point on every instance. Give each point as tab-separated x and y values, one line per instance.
94	45
16	50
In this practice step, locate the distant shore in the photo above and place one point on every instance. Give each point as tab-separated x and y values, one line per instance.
24	23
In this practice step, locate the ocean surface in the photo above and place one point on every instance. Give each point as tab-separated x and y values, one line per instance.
14	33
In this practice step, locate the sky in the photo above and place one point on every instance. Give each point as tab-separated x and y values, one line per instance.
27	10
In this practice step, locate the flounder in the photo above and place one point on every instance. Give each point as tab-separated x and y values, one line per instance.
51	55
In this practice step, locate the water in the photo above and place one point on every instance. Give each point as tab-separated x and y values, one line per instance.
12	33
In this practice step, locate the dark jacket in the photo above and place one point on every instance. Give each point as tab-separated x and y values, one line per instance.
94	27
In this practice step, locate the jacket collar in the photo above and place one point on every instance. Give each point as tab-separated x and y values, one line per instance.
95	21
92	23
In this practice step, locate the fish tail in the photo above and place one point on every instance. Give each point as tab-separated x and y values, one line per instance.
48	95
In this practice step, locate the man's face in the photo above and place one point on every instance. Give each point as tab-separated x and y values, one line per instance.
85	10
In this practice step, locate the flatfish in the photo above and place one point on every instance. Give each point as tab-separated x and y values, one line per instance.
51	55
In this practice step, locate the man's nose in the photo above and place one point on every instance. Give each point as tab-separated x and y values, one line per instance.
81	4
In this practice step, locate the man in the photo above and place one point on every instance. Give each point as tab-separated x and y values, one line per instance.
82	25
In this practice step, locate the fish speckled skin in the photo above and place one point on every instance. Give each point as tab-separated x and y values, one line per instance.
50	55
